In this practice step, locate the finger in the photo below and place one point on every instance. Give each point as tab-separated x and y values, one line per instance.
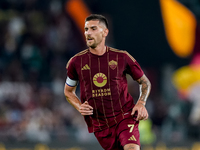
146	117
87	104
143	116
139	116
90	107
133	111
86	112
85	108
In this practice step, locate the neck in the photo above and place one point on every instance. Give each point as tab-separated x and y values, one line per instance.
99	50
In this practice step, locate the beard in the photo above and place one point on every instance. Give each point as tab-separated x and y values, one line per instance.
93	45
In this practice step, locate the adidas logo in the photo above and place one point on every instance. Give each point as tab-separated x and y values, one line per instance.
132	138
86	67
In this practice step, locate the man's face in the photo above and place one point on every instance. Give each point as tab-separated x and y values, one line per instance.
95	32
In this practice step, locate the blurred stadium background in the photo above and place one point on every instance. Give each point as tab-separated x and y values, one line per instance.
37	38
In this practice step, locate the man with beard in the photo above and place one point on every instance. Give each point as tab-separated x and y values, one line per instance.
107	107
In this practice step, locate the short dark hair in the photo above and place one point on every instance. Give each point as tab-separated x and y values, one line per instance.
101	19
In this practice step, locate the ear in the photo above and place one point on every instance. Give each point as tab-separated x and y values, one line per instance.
105	32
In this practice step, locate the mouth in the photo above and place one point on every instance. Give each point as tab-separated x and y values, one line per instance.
89	39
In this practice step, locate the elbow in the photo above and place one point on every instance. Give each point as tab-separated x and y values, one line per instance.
149	85
66	93
69	91
147	81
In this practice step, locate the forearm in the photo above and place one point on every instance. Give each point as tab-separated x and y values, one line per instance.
71	96
145	88
73	100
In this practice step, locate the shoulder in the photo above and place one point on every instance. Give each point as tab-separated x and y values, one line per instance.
123	52
72	59
116	50
82	53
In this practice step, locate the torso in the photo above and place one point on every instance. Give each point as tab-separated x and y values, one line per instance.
103	84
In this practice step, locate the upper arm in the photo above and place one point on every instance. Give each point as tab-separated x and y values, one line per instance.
132	67
71	69
72	78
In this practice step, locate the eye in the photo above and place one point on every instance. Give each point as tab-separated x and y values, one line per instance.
94	28
86	29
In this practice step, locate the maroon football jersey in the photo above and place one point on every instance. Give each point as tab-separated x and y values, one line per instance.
103	84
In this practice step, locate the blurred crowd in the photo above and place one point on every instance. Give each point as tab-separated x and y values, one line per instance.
37	39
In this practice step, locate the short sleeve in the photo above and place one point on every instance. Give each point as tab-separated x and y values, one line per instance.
133	68
71	69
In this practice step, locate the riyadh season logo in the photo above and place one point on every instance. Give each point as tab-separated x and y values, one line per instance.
100	79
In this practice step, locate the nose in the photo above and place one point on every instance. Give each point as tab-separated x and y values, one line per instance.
88	32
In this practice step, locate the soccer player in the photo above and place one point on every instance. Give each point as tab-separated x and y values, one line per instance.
105	103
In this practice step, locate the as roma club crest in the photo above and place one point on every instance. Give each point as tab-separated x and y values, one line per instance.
112	64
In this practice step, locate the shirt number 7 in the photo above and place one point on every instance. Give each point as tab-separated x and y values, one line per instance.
131	126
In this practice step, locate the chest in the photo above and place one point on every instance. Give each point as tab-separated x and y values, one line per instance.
107	67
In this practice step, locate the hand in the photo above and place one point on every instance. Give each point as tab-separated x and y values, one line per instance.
86	109
142	112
